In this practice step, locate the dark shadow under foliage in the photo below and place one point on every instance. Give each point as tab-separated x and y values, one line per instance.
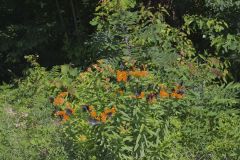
44	28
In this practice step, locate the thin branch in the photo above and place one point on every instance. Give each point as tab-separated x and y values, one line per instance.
74	16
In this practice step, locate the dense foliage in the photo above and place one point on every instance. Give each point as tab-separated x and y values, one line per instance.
59	31
27	129
163	85
55	30
199	122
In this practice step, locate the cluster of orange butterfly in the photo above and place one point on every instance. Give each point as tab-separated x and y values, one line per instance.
122	76
102	117
60	100
65	114
177	93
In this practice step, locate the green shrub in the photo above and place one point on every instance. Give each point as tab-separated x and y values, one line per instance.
202	124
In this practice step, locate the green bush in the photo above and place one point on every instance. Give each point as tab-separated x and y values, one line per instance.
202	124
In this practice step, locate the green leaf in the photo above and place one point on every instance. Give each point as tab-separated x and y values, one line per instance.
65	69
137	142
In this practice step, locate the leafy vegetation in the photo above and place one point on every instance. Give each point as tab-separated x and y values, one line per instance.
155	80
27	128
